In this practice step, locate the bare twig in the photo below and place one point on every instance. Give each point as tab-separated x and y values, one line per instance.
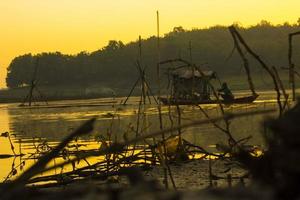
118	147
43	161
262	63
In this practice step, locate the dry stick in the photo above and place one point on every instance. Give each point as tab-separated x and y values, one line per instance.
202	150
231	141
20	151
144	93
108	156
179	144
149	91
41	95
142	102
291	64
82	173
263	64
226	121
164	160
142	78
172	124
43	161
297	74
167	164
207	116
169	110
179	120
133	87
246	63
84	178
138	121
119	147
12	146
285	95
11	173
33	86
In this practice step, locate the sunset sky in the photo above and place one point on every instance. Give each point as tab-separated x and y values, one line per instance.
71	26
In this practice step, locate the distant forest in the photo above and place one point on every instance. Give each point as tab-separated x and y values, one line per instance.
114	65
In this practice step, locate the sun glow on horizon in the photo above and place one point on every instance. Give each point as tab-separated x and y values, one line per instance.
68	26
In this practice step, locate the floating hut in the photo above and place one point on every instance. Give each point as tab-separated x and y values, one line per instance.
190	84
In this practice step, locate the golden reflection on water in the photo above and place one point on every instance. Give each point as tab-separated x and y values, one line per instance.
30	157
54	122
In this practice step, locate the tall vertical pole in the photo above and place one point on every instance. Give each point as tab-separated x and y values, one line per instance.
158	42
142	72
164	160
140	48
158	64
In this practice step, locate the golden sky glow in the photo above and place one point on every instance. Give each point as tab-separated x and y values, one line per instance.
71	26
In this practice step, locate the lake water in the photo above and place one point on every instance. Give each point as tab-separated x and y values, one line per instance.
29	127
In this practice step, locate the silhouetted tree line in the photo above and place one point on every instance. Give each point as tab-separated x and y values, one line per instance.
114	65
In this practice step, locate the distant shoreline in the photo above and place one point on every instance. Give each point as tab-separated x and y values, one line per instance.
17	95
49	99
19	98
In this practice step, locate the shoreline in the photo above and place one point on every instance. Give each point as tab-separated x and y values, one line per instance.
5	99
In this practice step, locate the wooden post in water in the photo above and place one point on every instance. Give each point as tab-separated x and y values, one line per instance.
140	48
146	91
164	161
33	82
33	86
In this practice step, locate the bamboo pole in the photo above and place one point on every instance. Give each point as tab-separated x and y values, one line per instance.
164	163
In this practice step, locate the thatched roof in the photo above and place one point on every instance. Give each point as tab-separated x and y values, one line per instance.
190	73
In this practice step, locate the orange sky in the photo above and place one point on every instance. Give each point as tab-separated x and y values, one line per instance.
71	26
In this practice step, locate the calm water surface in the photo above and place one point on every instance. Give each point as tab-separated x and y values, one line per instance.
30	126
